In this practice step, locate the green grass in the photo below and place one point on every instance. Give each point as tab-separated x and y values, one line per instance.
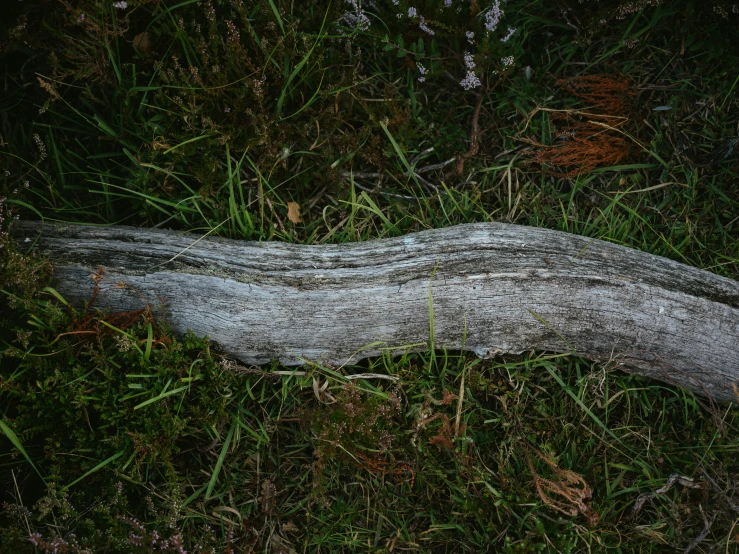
158	115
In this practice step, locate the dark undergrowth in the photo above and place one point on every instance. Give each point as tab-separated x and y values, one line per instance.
334	121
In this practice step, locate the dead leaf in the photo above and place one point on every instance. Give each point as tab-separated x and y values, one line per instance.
142	42
158	144
293	212
280	545
267	497
218	512
98	276
290	527
320	392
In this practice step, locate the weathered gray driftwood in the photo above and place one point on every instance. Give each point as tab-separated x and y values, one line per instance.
495	288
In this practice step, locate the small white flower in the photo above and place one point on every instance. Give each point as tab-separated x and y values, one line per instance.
412	12
507	61
120	5
470	35
469	60
492	17
358	19
509	34
470	81
422	25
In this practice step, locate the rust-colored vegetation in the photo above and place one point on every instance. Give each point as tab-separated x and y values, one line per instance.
593	136
355	427
92	324
566	491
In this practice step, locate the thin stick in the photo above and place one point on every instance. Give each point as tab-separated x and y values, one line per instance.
277	217
372	376
459	406
474	145
20	500
708	522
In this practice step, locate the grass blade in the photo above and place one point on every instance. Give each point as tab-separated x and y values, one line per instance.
149	342
219	463
397	149
549	326
431	315
160	396
176	146
580	403
56	295
277	16
17	443
302	62
100	466
377	211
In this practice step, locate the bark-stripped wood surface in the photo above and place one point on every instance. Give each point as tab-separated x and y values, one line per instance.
494	288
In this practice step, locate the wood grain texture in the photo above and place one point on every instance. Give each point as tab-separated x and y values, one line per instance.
496	288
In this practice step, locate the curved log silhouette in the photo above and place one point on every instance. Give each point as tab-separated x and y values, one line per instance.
491	288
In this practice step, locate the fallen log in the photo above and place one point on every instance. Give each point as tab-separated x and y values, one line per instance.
491	288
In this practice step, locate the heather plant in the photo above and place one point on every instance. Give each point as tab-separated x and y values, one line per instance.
132	440
23	280
600	12
200	98
355	427
327	122
76	389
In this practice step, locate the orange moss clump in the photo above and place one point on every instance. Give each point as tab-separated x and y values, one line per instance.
591	137
401	472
